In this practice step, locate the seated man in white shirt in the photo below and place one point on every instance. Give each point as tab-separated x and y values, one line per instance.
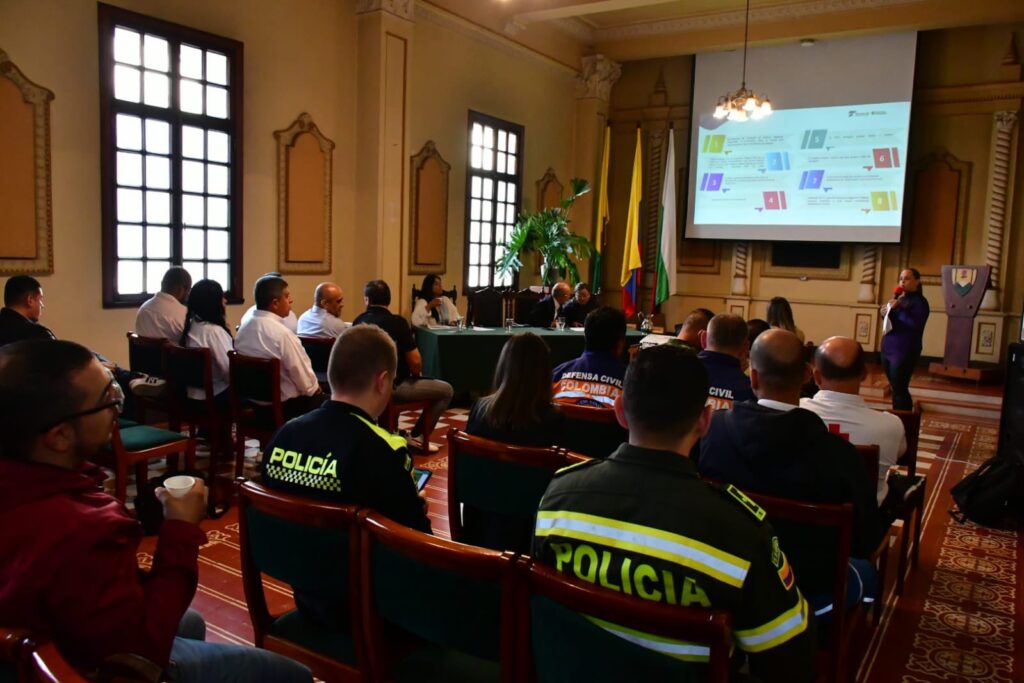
324	318
163	316
839	370
289	321
264	336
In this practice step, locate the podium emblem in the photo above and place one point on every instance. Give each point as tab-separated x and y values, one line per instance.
964	279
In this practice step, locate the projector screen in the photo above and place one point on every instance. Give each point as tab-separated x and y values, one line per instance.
827	166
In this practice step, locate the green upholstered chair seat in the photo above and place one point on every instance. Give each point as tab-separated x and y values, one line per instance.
122	423
433	663
141	437
337	645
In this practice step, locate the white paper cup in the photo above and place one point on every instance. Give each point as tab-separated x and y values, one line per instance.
180	485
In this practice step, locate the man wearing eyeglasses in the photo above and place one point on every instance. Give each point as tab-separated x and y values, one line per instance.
68	568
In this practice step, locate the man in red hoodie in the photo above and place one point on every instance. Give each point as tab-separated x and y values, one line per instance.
68	567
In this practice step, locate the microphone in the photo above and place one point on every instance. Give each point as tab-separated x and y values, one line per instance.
897	292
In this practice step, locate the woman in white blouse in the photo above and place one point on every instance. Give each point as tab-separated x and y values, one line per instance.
205	326
432	307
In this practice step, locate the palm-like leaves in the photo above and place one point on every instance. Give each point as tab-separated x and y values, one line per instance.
547	232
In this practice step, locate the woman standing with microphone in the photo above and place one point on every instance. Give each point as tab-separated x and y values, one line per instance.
901	345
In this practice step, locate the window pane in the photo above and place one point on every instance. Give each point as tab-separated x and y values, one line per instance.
217	244
217	146
158	136
158	242
511	198
217	212
158	89
501	190
126	46
154	274
126	83
472	277
158	207
502	140
196	270
512	142
129	206
129	169
488	137
474	210
488	188
475	186
192	243
474	232
501	163
499	233
192	142
156	53
217	179
129	277
486	211
192	210
191	97
216	102
510	214
488	160
485	254
474	254
510	168
129	241
190	62
129	132
218	272
485	234
485	275
474	157
158	172
192	176
216	68
477	136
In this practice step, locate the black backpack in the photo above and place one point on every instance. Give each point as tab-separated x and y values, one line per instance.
992	495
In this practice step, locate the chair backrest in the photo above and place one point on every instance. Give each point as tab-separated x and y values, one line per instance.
488	307
254	379
146	355
498	478
453	595
561	637
591	431
452	294
189	368
22	658
319	351
306	543
12	644
523	302
869	458
911	420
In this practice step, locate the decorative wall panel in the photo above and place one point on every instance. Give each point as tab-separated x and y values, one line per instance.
428	190
304	164
938	219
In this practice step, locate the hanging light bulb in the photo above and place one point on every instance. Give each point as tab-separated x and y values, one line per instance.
743	104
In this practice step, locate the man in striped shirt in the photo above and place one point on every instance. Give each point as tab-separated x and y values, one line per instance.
643	523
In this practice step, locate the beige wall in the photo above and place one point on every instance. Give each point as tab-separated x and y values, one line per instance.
297	58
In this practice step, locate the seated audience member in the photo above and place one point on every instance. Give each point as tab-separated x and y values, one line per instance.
647	494
547	309
324	318
432	306
23	306
839	369
689	332
409	385
206	327
724	356
780	317
263	336
595	378
755	327
163	316
577	308
775	447
68	551
289	320
345	457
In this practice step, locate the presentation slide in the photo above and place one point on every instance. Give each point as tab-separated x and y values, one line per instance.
819	168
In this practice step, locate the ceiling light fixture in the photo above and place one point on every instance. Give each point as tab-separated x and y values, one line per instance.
743	104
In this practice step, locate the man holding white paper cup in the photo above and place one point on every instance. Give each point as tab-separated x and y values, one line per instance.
68	567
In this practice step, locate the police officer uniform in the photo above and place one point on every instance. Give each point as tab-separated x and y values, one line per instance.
643	523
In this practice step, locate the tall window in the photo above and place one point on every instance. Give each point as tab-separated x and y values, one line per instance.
493	196
171	159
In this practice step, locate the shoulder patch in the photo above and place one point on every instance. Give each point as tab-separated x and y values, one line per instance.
576	466
744	500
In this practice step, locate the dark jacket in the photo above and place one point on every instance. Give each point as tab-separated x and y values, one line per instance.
792	455
593	379
576	313
69	570
908	317
543	312
16	327
397	328
726	382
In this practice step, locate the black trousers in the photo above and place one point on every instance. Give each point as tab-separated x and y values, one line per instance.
899	375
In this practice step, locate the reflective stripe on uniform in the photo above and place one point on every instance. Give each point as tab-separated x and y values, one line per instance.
646	541
790	623
582	394
396	442
680	649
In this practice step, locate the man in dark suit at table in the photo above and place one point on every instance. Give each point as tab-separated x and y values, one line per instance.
546	310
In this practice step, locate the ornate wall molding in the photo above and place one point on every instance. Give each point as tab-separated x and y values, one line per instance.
549	190
304	181
868	273
999	197
405	9
428	211
938	194
740	268
598	76
39	222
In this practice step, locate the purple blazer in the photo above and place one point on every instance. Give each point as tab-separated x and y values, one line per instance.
908	318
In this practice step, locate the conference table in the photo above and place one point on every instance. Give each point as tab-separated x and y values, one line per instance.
466	359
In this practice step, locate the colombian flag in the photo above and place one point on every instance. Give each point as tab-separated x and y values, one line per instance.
786	573
631	263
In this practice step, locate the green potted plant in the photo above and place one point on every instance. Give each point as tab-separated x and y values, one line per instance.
546	232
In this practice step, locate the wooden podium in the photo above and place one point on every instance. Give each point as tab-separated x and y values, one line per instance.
962	288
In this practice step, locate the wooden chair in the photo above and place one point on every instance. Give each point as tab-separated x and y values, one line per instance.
912	510
453	603
591	431
319	351
45	664
500	482
135	447
256	406
559	641
23	657
911	420
488	307
523	302
869	458
452	294
146	355
313	546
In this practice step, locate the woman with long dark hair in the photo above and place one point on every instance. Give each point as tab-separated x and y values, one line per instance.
206	327
902	338
780	315
432	306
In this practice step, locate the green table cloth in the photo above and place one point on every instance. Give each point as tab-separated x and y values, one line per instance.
467	359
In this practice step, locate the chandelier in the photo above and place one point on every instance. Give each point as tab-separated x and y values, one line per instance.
743	104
